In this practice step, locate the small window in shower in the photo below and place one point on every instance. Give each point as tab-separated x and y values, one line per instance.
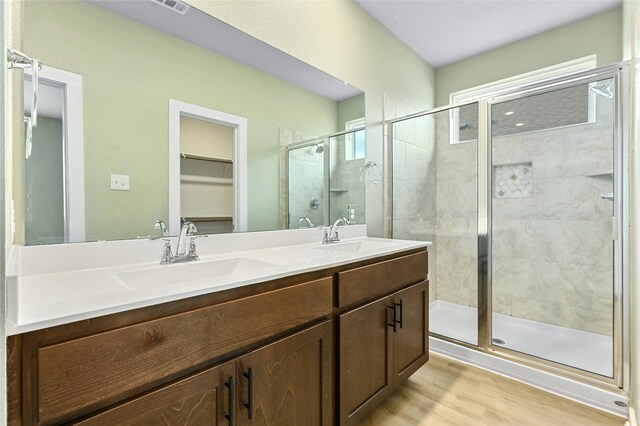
543	111
354	142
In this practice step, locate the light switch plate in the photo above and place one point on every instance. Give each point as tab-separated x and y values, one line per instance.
119	182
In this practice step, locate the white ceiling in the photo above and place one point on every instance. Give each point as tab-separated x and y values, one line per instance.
446	31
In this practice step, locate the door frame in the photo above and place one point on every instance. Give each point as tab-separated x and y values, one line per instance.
73	143
239	124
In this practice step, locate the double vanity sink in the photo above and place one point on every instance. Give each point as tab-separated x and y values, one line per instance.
212	271
52	285
264	328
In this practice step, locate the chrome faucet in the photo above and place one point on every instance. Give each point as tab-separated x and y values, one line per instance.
182	255
159	224
305	220
331	234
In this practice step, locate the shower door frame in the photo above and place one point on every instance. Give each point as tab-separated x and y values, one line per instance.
620	73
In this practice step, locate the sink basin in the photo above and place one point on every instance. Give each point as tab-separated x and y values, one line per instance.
184	273
357	246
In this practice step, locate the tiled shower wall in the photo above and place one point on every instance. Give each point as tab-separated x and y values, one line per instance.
553	250
413	181
306	181
457	214
346	188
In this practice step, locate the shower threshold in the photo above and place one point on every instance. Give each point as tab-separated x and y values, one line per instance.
579	349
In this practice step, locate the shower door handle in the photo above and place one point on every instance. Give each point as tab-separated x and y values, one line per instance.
608	196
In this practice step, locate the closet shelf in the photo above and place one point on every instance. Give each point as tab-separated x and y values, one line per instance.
206	180
203	158
206	219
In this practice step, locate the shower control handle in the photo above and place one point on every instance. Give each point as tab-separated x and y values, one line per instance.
394	320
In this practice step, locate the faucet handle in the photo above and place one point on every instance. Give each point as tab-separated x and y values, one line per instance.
167	254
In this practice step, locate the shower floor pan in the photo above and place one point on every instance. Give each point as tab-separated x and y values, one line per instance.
580	349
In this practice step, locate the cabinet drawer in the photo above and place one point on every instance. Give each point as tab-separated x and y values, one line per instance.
381	278
201	399
81	375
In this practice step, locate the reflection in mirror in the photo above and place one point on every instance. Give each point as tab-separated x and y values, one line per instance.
325	181
132	58
54	170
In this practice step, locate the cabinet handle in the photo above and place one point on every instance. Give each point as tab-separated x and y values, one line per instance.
398	305
393	322
249	405
229	386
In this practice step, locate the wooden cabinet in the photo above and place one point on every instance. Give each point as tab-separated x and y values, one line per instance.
381	344
66	377
205	398
253	355
365	358
411	338
287	382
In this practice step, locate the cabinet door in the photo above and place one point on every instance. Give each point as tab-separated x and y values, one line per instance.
288	382
365	353
411	339
205	398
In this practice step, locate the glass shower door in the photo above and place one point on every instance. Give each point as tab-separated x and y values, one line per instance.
552	223
435	179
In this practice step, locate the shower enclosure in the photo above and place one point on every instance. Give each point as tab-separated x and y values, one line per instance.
522	195
325	180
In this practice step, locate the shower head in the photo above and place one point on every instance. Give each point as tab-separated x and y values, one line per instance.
317	148
603	88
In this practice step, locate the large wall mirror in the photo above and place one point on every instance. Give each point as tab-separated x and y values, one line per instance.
100	163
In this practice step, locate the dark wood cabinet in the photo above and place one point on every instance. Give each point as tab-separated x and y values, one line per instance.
411	339
318	348
288	382
206	398
381	344
365	358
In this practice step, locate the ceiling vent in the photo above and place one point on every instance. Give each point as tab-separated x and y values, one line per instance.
175	5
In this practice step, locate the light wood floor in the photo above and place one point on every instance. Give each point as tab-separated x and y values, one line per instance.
446	392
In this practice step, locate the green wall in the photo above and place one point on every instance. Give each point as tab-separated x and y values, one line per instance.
600	34
350	109
129	74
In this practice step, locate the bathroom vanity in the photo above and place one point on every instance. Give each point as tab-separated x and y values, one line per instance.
318	340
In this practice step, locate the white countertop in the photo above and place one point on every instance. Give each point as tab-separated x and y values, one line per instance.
54	285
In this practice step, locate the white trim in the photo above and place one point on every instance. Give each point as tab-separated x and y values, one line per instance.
490	89
179	108
537	76
73	129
